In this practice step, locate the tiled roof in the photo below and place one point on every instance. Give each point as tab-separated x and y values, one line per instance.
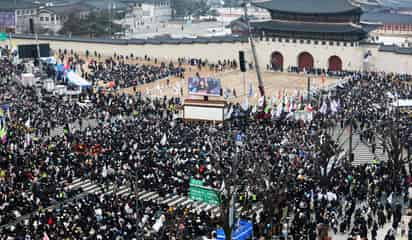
273	25
387	18
308	6
395	49
200	40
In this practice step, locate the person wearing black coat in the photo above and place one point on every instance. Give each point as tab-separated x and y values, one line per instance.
374	231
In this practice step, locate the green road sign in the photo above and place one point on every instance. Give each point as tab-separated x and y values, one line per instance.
198	192
195	182
3	36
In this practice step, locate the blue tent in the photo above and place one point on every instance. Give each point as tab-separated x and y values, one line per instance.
59	68
243	230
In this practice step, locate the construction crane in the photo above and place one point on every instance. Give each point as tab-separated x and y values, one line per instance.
257	67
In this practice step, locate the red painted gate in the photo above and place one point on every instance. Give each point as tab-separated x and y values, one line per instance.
305	61
277	61
335	63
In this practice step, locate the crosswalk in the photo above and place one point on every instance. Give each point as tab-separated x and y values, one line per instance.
362	151
172	200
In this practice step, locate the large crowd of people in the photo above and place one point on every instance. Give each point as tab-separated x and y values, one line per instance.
283	166
131	71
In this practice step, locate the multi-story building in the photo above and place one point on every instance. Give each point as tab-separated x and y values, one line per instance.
392	28
133	19
140	16
51	18
157	11
16	15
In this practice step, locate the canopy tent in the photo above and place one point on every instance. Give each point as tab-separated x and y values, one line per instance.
49	60
76	80
243	231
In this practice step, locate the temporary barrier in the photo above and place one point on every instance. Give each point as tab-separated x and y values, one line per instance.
243	230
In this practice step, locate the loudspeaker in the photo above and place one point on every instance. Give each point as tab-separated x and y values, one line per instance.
30	51
31	25
242	64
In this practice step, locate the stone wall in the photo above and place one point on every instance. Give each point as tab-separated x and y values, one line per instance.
211	51
351	55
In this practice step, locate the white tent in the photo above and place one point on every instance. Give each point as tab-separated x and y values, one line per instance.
27	79
75	79
402	103
49	60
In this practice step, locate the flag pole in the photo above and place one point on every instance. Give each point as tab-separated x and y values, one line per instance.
255	58
10	46
38	52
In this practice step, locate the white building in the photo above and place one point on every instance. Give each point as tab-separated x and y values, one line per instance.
133	19
52	18
158	11
147	16
22	12
229	14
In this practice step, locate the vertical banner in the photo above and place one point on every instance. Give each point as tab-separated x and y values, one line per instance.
7	19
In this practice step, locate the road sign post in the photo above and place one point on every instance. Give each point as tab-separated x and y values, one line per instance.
198	192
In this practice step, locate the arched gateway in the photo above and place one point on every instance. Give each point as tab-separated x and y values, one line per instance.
277	61
335	63
305	61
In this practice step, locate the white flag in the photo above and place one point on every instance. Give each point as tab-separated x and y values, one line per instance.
250	90
163	140
390	198
324	108
27	140
333	106
279	110
104	171
229	113
222	188
27	124
245	104
261	101
254	109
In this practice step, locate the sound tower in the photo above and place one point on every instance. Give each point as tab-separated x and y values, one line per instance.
31	26
242	64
